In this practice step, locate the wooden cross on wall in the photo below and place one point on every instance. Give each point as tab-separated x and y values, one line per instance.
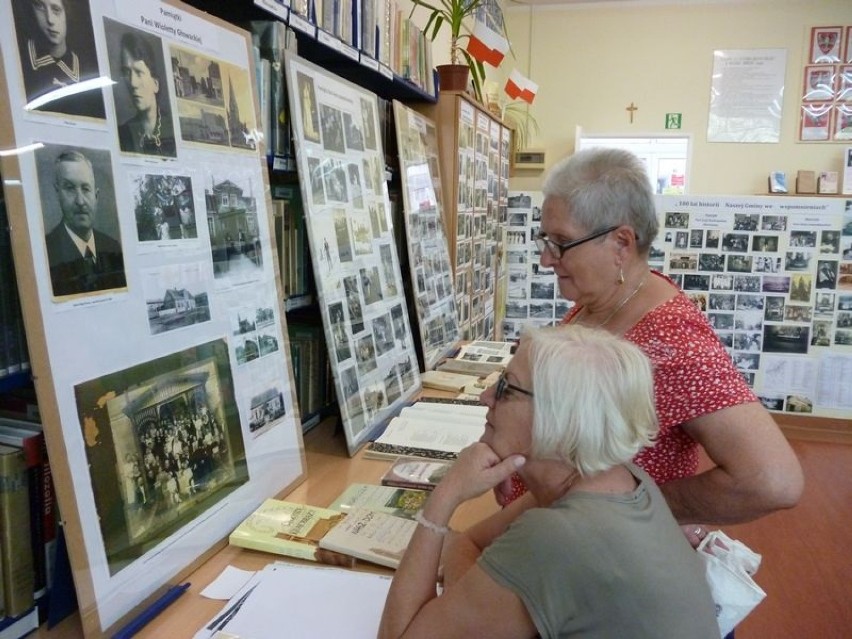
631	109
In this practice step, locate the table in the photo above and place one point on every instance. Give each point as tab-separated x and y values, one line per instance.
329	471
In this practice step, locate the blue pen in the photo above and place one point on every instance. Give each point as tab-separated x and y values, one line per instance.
151	611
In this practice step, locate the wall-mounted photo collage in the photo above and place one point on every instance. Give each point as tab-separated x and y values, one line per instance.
428	256
355	264
140	207
774	276
532	295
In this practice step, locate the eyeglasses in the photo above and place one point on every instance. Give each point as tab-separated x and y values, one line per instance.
503	385
557	250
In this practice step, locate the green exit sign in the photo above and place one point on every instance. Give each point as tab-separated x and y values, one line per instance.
673	120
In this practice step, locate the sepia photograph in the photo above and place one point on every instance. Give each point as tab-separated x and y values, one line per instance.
164	445
308	104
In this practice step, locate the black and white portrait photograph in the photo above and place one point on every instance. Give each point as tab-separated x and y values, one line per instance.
365	354
368	118
362	234
353	304
746	221
371	285
141	91
164	207
676	220
337	320
176	296
774	311
764	243
352	132
315	172
735	242
383	334
341	234
826	275
739	263
335	180
711	262
331	122
82	234
164	445
233	226
391	288
308	104
349	382
829	242
57	52
803	239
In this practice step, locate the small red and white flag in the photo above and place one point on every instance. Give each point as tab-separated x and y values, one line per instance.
519	87
486	45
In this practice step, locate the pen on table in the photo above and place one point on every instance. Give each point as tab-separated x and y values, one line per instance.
148	614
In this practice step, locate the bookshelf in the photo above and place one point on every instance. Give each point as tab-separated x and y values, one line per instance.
323	48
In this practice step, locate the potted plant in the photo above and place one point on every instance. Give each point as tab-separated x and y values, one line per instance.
453	13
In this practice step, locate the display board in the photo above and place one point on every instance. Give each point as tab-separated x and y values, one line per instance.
428	256
356	268
773	275
139	208
532	293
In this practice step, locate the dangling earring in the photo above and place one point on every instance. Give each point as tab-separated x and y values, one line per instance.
620	275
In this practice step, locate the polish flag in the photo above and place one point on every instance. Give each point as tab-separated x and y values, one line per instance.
486	45
520	88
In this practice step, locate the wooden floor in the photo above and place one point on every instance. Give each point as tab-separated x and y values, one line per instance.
807	554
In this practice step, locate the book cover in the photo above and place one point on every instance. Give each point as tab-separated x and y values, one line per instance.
17	556
827	182
290	529
806	182
32	443
370	535
778	182
414	472
399	501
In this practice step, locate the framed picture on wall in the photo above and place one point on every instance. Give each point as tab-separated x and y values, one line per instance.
819	83
826	45
844	81
848	48
815	121
842	122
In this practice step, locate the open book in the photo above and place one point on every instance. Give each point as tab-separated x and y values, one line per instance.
433	431
479	358
325	535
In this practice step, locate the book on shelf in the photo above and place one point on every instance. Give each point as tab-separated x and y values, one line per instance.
806	182
399	501
15	551
17	626
30	438
415	472
778	182
325	535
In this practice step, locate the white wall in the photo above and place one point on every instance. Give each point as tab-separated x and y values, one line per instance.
592	60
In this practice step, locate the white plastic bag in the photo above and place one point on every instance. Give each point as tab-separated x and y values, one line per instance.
729	565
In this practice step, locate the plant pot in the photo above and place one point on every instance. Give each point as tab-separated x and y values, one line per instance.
452	77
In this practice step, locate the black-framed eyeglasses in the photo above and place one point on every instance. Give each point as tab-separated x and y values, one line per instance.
557	250
503	385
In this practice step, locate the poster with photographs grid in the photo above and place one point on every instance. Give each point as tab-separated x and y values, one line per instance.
428	256
532	295
140	218
772	274
356	268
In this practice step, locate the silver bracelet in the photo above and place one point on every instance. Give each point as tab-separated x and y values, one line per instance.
430	525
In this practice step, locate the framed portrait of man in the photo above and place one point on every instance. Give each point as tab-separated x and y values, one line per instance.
56	46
